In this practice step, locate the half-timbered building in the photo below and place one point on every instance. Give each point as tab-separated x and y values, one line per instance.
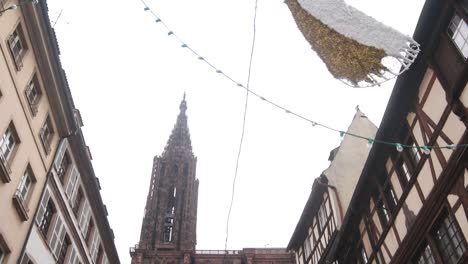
315	238
411	202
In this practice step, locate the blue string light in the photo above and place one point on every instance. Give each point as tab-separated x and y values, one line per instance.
370	141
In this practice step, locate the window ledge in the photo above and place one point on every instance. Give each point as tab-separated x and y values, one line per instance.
20	207
4	170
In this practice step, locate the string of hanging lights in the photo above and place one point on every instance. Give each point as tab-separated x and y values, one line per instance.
426	149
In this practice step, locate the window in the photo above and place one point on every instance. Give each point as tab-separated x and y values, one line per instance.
25	184
171	201
72	185
458	32
4	249
383	212
415	155
45	213
89	232
99	255
63	250
76	203
322	217
307	247
425	256
94	246
8	143
33	94
46	134
105	260
73	259
84	218
168	229
58	240
362	257
449	239
22	193
301	256
17	46
26	259
64	165
390	197
404	173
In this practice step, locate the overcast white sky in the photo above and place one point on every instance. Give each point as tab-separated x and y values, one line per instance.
128	76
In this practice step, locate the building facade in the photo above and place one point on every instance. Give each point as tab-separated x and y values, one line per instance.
50	207
315	236
168	232
410	203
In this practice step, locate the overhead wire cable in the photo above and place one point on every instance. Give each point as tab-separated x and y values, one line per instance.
247	92
286	110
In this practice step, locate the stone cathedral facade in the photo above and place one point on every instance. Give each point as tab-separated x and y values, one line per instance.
168	232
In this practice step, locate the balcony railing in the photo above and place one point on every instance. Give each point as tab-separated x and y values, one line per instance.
217	252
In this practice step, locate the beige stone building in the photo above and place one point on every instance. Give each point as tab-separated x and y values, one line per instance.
50	207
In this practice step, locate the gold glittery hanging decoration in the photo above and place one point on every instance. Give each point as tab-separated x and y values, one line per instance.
345	58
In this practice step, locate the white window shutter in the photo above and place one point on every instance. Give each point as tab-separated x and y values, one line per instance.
57	237
73	257
71	183
42	207
74	193
84	218
94	249
60	153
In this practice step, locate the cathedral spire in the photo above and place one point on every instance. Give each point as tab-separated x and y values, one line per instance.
179	141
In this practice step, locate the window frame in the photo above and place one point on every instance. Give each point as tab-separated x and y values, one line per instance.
45	214
46	134
6	161
454	32
4	248
15	39
440	222
33	85
21	197
430	239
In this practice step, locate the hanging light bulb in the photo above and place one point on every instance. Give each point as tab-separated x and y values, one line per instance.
370	142
452	147
342	133
314	124
399	147
426	150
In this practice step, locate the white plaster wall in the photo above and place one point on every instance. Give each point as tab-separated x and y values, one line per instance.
345	170
37	249
436	102
425	83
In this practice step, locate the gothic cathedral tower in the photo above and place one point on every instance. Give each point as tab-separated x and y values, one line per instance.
168	232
